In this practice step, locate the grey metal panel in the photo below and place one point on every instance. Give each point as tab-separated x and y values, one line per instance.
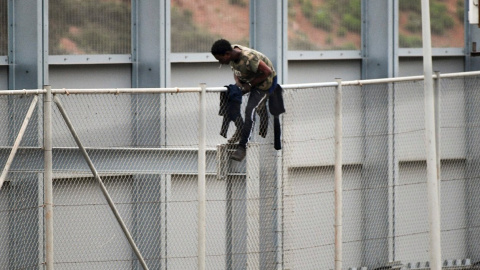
3	78
4	222
191	74
89	59
411	214
436	52
312	223
82	233
323	71
411	66
25	245
453	207
149	219
90	76
324	55
472	145
182	223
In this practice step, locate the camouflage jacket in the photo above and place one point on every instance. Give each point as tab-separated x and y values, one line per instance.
247	67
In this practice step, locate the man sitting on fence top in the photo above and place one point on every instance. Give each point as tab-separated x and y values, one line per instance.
254	73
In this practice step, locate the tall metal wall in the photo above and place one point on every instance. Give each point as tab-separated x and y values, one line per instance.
151	64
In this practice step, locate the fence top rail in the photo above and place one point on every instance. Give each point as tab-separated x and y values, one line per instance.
23	92
173	90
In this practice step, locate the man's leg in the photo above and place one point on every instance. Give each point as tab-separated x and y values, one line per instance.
255	99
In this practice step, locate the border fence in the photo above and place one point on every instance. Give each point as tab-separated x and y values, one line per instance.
141	179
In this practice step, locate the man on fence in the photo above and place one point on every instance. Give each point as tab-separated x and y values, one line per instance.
254	74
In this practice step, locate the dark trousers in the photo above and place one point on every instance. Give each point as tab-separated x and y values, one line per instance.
256	104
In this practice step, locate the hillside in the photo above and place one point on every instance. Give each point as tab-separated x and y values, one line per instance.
322	24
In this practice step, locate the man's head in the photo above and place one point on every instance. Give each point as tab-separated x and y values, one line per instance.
222	51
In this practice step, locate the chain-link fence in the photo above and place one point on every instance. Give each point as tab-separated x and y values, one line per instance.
125	175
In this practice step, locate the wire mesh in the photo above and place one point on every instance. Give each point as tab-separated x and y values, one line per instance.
446	23
89	27
21	197
195	25
274	209
3	27
324	25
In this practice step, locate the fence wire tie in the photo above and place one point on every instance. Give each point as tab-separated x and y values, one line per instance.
118	92
178	89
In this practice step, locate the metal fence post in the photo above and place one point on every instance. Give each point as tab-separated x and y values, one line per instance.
430	144
202	129
436	89
338	176
47	177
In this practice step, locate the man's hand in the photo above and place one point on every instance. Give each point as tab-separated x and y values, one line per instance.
246	88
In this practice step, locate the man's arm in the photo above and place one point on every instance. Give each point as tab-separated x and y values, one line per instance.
263	72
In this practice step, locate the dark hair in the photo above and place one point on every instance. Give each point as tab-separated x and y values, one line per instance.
220	47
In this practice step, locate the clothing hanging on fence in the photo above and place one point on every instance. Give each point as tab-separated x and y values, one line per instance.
230	103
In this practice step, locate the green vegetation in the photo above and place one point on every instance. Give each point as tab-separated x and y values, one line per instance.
323	20
460	10
240	3
186	36
414	23
352	23
302	43
94	27
307	9
410	41
440	20
345	12
341	32
410	5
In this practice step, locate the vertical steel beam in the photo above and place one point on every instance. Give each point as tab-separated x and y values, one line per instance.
27	44
379	51
379	44
150	23
472	34
268	32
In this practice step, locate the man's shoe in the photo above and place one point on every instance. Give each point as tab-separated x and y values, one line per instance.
240	154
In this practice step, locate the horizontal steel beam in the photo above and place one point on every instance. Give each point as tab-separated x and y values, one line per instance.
116	161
